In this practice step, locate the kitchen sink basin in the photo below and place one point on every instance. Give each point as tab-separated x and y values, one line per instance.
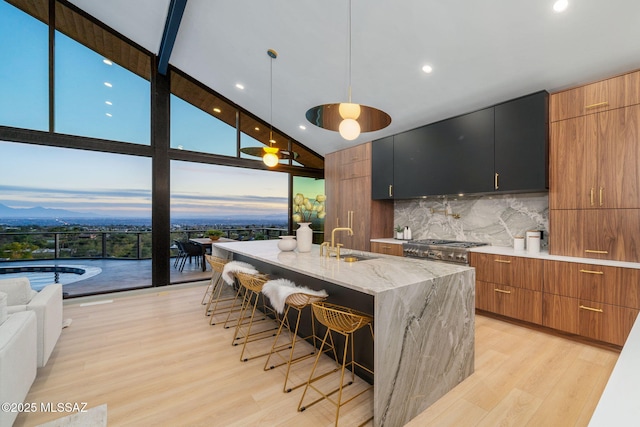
354	258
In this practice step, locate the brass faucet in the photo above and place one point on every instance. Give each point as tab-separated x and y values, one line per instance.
331	246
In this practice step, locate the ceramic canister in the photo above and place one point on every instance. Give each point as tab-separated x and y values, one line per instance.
533	241
518	243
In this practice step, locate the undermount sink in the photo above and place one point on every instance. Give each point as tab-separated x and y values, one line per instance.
354	258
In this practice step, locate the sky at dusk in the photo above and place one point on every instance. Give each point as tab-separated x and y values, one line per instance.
100	183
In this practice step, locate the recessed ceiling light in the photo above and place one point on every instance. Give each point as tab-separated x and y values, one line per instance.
303	127
108	102
427	69
107	84
560	5
108	115
217	110
256	128
106	61
239	86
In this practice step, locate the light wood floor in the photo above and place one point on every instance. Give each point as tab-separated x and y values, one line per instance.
155	360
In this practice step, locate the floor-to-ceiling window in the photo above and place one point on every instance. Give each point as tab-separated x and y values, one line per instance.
89	92
24	69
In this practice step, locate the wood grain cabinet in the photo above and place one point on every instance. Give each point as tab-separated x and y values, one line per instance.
349	202
509	286
596	233
594	168
600	96
594	301
387	248
595	161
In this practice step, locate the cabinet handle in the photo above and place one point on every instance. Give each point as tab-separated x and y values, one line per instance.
495	180
504	261
596	105
593	251
591	272
591	195
502	291
601	196
390	190
584	307
350	219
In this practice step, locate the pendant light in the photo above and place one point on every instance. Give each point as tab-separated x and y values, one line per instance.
348	118
270	155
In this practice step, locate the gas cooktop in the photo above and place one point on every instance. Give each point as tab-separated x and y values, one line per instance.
441	250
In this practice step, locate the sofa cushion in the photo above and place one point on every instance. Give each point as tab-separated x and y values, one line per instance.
18	290
3	307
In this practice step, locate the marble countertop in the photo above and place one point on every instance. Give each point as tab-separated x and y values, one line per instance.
509	251
372	276
389	240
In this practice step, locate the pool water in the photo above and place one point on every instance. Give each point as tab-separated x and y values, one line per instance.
40	279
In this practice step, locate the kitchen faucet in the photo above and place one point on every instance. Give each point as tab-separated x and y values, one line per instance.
331	247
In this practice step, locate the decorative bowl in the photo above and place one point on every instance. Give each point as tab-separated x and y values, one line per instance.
287	243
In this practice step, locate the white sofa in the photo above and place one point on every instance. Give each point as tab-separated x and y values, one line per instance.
18	368
47	305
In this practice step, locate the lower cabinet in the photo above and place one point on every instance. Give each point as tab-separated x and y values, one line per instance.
510	301
602	322
590	300
509	286
387	248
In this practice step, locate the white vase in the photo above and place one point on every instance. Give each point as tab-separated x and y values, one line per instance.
287	243
304	235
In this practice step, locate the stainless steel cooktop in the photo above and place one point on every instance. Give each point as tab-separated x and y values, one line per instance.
440	250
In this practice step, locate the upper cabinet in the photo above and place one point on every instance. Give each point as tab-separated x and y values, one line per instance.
449	157
382	167
596	161
600	96
497	149
521	144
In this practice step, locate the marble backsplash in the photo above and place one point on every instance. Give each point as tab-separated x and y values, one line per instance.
494	219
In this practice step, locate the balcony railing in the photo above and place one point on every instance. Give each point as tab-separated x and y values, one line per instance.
105	244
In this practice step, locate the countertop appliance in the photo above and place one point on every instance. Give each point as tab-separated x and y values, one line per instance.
440	250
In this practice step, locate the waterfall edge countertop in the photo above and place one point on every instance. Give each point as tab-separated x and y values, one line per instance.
424	319
372	276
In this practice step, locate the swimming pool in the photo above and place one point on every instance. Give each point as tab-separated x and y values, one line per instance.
41	275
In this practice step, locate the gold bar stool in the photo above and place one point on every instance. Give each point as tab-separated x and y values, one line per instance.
252	285
216	288
344	321
297	299
229	277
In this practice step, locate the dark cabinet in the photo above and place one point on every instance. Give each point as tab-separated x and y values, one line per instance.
382	169
449	157
498	149
521	148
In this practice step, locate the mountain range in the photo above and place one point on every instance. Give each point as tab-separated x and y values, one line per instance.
40	212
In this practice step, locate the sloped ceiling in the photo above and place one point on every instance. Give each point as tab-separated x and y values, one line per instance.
482	52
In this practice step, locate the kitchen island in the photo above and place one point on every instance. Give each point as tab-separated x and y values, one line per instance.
423	317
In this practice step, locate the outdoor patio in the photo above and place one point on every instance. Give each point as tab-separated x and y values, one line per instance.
115	275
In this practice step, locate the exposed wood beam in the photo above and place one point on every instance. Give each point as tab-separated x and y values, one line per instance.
176	10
